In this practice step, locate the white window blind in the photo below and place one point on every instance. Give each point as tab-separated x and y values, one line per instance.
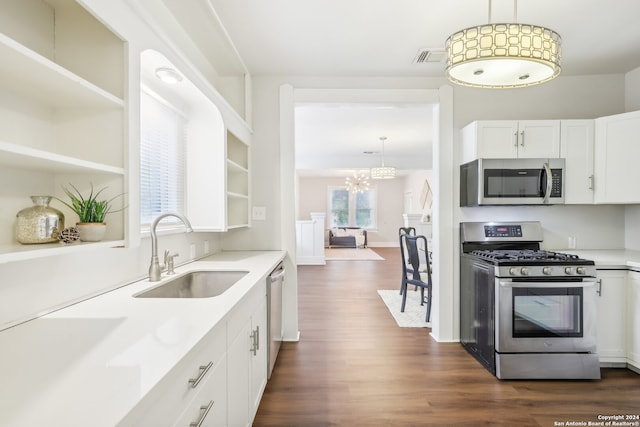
162	147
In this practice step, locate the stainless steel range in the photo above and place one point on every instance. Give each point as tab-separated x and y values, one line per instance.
525	312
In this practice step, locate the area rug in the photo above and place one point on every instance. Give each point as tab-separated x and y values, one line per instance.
414	313
351	254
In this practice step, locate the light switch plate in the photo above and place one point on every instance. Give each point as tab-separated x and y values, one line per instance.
259	213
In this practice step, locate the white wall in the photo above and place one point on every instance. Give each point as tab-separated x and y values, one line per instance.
632	90
313	197
413	185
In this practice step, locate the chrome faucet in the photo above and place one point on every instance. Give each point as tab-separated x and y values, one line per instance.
155	269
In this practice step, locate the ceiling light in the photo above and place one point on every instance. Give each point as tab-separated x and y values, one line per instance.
359	183
383	172
168	75
506	55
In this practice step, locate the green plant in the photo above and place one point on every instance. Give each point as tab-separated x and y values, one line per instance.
89	209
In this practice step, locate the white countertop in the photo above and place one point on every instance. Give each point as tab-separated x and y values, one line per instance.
91	363
608	258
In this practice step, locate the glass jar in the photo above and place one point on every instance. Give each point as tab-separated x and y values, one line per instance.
39	223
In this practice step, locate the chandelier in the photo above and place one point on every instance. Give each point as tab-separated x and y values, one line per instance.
383	172
358	183
506	55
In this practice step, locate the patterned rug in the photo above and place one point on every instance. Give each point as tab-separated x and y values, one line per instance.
414	313
351	254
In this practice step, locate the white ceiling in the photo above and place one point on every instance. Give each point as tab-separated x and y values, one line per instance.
380	38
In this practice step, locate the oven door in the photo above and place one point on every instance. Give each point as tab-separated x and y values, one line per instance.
556	316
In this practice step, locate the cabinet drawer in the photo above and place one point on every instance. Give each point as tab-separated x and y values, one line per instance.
176	391
209	406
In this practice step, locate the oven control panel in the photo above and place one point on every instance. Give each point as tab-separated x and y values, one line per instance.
503	230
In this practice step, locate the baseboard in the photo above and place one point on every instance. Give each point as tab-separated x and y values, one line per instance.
383	245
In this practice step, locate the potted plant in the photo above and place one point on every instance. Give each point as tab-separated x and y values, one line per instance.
91	212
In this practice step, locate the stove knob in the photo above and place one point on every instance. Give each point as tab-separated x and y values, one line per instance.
524	271
546	270
580	270
568	270
513	271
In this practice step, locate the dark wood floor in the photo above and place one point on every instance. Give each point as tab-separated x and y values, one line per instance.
354	367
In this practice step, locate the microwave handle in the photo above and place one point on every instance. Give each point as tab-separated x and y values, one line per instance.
547	193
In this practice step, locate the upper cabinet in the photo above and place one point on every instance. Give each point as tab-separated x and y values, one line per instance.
616	158
217	153
62	114
508	139
576	147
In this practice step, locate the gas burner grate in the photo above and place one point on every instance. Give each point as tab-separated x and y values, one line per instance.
524	255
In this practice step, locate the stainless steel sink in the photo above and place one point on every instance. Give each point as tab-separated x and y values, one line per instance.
196	284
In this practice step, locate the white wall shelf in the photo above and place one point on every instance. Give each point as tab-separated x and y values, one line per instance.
18	156
18	252
41	79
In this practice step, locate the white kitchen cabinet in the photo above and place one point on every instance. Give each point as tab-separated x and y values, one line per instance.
237	179
616	158
199	378
577	147
611	304
633	323
510	139
209	407
217	174
247	358
62	114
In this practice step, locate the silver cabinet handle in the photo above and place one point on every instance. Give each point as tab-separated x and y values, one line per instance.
258	337
599	290
255	341
591	182
515	140
522	138
204	411
193	382
253	348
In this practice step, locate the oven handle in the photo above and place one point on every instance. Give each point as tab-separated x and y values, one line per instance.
585	283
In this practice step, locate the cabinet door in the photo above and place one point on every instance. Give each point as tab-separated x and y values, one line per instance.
576	147
497	139
539	139
633	323
612	332
259	359
616	159
238	361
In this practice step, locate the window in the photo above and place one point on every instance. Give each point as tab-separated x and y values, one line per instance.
162	145
352	209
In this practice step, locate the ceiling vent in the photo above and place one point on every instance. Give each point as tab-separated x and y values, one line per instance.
427	55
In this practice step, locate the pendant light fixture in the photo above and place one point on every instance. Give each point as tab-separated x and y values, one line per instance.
506	55
358	183
383	172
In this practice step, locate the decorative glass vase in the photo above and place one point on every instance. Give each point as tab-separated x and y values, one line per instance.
39	223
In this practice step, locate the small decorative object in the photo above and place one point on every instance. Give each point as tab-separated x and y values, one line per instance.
39	223
69	235
91	212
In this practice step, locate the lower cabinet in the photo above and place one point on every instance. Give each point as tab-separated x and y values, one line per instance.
198	379
209	406
247	359
612	295
633	324
221	380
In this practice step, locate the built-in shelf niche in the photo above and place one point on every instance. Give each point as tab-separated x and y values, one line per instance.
61	114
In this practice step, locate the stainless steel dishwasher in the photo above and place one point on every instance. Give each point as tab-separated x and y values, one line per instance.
275	283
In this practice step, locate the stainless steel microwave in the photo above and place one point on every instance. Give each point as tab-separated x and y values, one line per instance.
485	182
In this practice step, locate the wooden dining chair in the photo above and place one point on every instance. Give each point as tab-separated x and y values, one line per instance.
403	251
418	270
